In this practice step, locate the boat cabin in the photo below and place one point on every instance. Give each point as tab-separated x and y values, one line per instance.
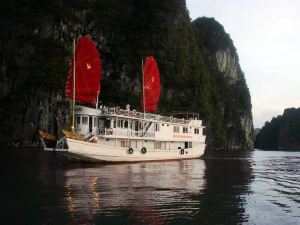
125	124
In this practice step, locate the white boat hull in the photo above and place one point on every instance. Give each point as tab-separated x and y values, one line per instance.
93	152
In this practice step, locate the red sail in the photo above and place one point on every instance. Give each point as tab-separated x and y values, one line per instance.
151	85
87	72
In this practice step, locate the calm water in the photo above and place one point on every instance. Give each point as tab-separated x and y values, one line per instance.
233	188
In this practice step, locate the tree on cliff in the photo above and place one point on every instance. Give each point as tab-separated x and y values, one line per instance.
283	132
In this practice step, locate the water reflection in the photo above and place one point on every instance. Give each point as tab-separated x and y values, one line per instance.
147	190
228	178
224	188
209	191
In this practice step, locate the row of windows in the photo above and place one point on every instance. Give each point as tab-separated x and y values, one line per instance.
157	144
85	120
82	120
184	130
136	125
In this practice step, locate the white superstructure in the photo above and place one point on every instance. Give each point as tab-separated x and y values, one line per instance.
117	135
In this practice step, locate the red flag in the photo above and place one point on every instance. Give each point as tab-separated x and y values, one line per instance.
151	85
87	72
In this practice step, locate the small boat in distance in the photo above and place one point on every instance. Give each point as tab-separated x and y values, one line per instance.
112	134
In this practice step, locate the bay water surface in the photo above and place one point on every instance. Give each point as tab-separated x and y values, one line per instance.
256	187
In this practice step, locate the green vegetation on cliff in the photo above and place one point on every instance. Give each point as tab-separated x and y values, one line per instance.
282	132
36	48
231	99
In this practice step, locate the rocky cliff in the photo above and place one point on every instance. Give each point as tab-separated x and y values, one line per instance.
231	89
198	65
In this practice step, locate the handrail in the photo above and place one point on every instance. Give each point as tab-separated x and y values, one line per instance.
60	144
126	132
89	135
140	115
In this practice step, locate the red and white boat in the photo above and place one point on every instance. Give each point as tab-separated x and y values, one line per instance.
122	135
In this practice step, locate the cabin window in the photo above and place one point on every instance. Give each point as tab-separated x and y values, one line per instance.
204	131
77	119
125	124
186	144
136	125
107	123
157	145
119	123
95	122
115	123
184	129
124	144
176	129
100	123
84	120
196	131
156	127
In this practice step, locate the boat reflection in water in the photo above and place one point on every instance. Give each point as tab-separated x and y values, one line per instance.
211	191
42	188
151	192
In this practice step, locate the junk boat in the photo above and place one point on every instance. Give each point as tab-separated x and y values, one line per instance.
112	134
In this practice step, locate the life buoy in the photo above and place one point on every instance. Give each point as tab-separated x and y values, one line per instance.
182	151
117	109
130	150
143	150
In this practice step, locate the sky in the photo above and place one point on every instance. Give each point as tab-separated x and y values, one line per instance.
266	34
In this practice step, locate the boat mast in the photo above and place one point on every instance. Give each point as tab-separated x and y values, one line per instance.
74	80
97	99
143	76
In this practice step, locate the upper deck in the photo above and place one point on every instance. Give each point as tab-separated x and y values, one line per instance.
133	114
118	123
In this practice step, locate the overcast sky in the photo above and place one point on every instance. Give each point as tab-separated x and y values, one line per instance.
266	34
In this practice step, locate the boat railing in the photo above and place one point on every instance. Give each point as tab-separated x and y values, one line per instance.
125	132
88	135
105	131
141	115
61	143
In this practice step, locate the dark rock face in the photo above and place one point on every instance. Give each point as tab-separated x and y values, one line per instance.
196	73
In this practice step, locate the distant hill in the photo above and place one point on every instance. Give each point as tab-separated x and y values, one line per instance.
283	132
